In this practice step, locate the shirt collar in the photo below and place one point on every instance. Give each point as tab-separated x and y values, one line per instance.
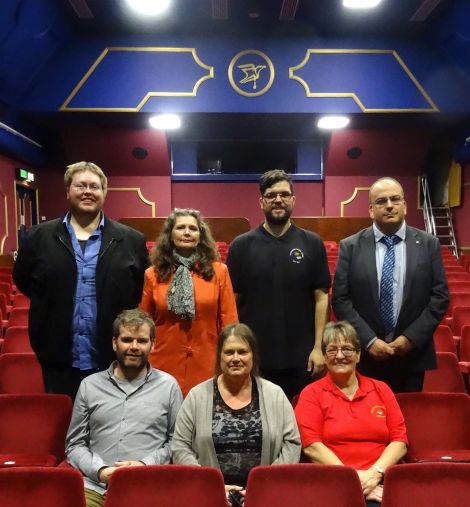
113	365
401	233
68	215
365	386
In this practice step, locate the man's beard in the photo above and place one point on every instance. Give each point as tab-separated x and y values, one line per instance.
277	220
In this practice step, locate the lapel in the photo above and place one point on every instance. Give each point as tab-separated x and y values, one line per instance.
62	234
111	236
413	251
367	259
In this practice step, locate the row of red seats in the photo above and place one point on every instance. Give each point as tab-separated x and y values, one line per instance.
423	485
33	427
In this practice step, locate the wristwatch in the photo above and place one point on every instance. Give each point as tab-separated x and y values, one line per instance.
379	469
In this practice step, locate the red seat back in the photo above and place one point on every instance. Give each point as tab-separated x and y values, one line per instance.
435	421
18	317
427	484
444	340
457	299
303	485
17	340
166	485
34	424
460	318
464	350
446	378
41	487
20	374
21	301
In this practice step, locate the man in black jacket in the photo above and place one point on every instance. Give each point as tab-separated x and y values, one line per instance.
80	272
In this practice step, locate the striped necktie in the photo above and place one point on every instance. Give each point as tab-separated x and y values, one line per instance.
386	284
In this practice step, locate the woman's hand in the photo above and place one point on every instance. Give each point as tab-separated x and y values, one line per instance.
376	494
229	488
370	479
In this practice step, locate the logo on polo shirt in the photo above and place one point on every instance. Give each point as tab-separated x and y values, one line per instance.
379	411
296	255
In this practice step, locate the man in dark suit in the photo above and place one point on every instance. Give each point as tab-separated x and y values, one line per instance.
398	347
80	272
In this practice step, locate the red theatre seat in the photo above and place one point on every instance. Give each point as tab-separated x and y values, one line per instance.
21	301
458	276
437	426
460	318
18	317
166	485
444	340
457	299
41	487
446	378
17	341
33	429
20	374
303	485
427	484
459	286
464	352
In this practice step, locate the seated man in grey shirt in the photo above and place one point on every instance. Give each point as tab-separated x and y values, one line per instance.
124	416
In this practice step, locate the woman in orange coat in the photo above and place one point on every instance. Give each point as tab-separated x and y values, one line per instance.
190	296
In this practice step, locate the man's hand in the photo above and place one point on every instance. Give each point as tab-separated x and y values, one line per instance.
316	362
401	345
129	464
381	350
105	473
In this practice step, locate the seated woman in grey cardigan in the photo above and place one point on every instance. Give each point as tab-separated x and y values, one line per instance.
236	420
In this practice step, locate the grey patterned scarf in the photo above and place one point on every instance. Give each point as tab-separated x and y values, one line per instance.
180	295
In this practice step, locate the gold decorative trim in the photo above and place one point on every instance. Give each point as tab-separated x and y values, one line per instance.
5	236
38	218
270	66
352	95
351	199
210	75
140	195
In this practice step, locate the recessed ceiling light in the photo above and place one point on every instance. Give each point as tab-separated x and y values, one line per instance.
149	7
361	4
165	121
331	122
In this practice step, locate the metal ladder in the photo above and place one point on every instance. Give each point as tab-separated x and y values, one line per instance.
438	220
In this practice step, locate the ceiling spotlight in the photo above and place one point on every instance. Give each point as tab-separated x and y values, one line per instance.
361	4
332	122
149	7
165	121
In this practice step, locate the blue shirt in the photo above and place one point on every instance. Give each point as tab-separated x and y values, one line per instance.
399	271
84	348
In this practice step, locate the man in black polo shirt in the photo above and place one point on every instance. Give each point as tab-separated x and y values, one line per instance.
280	276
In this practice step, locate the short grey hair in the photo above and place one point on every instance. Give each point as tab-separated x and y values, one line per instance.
334	331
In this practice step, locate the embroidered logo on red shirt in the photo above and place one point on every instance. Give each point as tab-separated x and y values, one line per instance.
378	411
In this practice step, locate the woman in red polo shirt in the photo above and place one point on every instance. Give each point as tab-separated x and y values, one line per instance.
348	419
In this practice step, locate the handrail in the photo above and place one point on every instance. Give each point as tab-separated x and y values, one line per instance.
429	220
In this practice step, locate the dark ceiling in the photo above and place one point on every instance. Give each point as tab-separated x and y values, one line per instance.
323	18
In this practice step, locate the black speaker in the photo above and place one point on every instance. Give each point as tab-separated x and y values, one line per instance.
354	152
139	153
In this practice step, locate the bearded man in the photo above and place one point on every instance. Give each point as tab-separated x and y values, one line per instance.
280	278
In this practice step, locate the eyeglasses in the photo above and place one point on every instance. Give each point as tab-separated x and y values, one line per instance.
346	351
272	196
82	187
383	201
